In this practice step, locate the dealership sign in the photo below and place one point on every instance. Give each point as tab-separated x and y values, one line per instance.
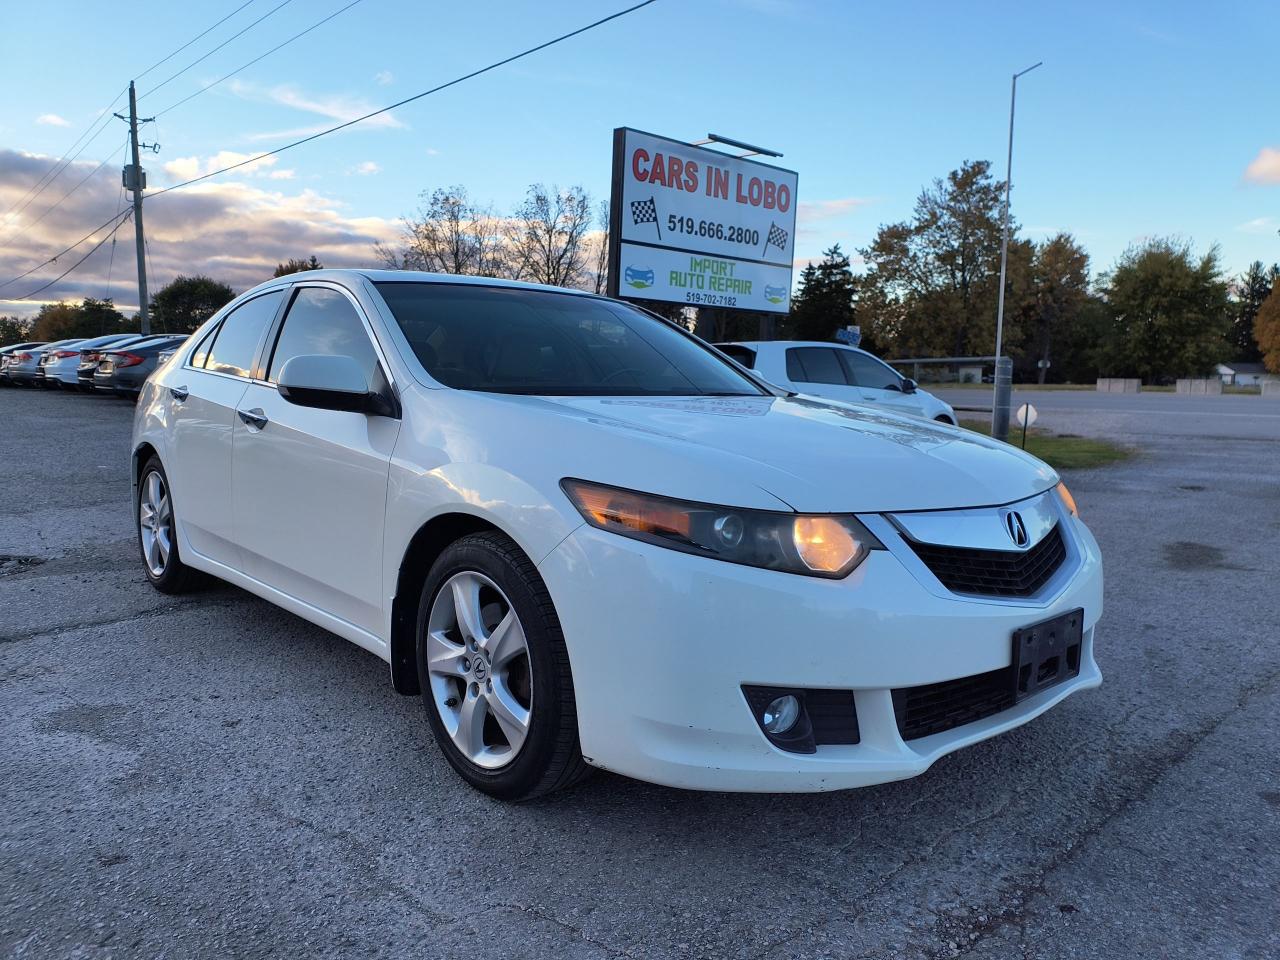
695	226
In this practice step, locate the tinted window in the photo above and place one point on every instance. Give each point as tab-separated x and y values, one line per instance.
867	371
323	321
814	365
237	339
508	340
744	355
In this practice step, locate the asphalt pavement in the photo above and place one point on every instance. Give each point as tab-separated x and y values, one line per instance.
209	776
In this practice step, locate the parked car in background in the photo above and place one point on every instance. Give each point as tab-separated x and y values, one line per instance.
586	538
123	371
89	359
837	372
53	354
24	367
9	353
62	370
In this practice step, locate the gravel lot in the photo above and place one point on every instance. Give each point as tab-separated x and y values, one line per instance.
212	777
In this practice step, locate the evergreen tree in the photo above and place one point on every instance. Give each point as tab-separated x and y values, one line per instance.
824	302
1253	287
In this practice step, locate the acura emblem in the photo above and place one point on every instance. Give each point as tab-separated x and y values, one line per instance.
1016	529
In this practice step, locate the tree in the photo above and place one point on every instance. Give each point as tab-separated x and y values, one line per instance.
14	330
186	302
601	258
932	282
1059	287
546	234
1266	330
1253	287
824	301
90	318
449	234
1169	312
297	266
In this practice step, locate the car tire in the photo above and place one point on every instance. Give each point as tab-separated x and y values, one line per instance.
162	564
477	689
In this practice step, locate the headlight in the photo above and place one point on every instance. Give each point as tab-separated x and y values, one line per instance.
1068	500
821	545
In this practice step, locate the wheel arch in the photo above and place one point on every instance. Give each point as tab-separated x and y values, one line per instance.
141	454
430	540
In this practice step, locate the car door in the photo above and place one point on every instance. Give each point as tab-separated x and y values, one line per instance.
817	371
202	397
878	382
310	485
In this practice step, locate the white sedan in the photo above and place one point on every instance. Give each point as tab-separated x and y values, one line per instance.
588	540
834	371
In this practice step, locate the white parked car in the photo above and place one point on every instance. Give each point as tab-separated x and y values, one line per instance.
837	372
588	540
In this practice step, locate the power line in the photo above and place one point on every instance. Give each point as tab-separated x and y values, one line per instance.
228	76
417	96
206	56
63	162
54	258
96	247
83	180
193	40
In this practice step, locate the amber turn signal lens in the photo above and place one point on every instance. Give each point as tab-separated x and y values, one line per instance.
1067	499
824	544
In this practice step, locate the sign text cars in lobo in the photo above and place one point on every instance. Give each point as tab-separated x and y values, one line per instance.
696	226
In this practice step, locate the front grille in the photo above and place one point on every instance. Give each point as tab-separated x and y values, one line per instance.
996	573
937	707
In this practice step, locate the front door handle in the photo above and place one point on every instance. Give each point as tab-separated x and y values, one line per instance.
179	393
254	417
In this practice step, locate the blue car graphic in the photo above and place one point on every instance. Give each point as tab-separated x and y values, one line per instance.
639	277
775	294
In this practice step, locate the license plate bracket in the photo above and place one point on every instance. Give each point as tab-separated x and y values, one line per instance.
1047	653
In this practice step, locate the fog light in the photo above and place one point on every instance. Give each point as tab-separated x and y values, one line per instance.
781	715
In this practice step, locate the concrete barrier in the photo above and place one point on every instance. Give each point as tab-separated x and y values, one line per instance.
1271	389
1200	387
1119	385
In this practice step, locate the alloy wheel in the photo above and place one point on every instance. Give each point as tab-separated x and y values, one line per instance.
155	522
479	668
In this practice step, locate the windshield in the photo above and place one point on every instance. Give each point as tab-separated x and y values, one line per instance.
507	340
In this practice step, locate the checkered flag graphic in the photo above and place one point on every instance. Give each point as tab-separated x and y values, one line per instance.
645	211
777	238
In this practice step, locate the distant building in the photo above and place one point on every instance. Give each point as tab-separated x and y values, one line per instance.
1244	374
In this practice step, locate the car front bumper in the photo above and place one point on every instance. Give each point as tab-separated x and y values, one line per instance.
661	644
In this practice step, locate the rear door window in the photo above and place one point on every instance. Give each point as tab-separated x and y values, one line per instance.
744	355
814	365
236	341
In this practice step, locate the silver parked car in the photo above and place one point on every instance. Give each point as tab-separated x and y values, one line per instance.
25	366
10	354
62	370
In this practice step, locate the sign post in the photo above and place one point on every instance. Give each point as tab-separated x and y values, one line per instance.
697	227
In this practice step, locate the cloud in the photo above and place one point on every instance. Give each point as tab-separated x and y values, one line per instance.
1265	167
432	152
367	168
187	168
1259	225
333	107
812	211
233	230
52	120
384	78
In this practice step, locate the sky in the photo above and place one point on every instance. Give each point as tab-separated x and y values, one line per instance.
1146	119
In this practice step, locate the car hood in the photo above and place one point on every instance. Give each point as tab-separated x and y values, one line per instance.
815	455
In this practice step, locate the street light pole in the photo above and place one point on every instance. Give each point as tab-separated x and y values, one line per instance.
1003	385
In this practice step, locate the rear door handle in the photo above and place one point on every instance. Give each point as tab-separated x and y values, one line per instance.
179	393
254	417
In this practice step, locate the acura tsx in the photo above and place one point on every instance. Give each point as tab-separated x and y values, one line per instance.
587	539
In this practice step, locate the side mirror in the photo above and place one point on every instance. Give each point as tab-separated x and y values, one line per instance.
332	383
909	385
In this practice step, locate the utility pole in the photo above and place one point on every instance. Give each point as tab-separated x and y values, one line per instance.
136	180
1003	379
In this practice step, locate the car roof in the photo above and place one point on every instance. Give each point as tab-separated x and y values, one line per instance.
756	344
410	276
